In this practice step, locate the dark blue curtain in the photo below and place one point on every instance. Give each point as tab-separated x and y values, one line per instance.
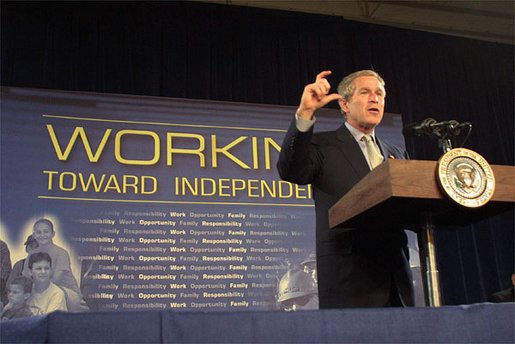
229	53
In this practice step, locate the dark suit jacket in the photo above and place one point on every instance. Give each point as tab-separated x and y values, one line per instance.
506	295
356	268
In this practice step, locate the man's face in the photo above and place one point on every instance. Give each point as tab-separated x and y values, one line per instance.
16	295
365	109
41	271
43	233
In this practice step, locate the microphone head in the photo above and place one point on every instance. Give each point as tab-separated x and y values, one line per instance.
410	130
453	124
416	129
428	122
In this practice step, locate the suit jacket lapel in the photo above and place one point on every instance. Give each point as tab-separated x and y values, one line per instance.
352	152
386	151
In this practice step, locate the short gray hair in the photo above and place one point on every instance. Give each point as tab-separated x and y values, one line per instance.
346	87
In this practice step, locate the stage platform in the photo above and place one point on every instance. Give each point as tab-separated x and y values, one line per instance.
478	323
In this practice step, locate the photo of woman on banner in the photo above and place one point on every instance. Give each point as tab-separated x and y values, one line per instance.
30	245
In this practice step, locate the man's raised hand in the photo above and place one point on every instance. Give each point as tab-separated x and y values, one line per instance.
316	96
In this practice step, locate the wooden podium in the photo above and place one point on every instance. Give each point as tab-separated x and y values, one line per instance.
405	193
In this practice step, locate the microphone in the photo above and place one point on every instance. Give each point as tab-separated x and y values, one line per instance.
417	129
431	127
464	125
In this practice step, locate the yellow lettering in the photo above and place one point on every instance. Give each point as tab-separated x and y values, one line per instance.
171	150
225	151
255	152
79	131
252	187
193	188
91	180
118	153
126	184
300	191
285	193
144	180
228	187
236	187
67	181
267	141
204	187
222	187
265	186
112	184
50	178
73	181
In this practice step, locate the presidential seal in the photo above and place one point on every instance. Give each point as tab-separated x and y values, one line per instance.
466	177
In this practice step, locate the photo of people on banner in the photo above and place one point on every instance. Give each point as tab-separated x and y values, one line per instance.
43	282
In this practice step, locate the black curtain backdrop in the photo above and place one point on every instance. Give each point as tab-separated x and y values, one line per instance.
229	53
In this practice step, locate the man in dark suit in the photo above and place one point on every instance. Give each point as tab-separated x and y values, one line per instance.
356	267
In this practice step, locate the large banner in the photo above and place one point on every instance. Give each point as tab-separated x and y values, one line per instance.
159	203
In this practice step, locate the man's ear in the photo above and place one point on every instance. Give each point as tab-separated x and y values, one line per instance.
26	296
343	105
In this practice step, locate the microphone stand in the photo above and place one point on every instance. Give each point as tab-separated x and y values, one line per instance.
428	261
444	133
426	237
445	144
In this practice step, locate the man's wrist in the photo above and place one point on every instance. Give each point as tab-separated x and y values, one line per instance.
304	125
305	114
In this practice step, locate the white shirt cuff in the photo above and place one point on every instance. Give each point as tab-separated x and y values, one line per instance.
304	125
